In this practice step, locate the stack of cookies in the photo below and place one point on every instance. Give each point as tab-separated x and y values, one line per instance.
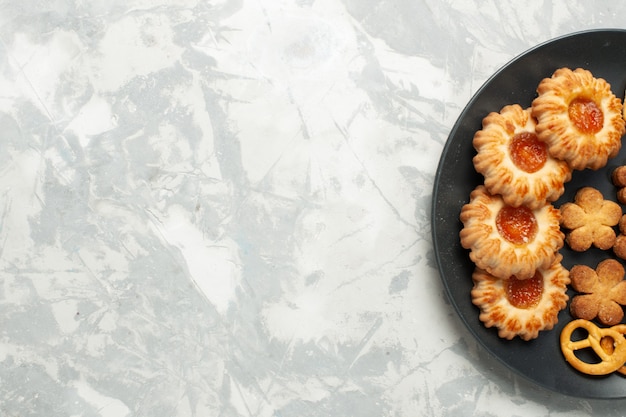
526	156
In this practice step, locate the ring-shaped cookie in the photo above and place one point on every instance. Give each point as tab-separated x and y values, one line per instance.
579	118
620	328
609	361
514	162
521	307
496	252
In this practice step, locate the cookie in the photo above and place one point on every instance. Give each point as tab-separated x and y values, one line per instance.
521	307
618	177
506	240
603	292
514	162
579	118
590	220
619	248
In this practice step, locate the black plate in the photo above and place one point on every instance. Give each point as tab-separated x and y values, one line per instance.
603	52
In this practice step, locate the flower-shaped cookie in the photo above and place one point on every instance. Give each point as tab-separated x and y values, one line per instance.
619	180
619	248
604	292
590	220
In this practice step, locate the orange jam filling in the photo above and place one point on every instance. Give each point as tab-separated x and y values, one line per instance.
518	225
524	293
586	115
527	152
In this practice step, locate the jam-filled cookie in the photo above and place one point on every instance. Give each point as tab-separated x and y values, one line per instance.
506	240
521	307
514	162
579	118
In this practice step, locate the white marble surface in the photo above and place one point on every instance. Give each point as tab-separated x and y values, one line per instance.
221	208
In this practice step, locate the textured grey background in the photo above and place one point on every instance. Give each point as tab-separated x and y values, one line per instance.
221	208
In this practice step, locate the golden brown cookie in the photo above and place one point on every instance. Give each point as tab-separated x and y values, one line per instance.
506	240
590	220
579	118
521	307
608	345
619	248
514	162
618	176
603	292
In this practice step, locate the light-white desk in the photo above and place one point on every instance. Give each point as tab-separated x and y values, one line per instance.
223	208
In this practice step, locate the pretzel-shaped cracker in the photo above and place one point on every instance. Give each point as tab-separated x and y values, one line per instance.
610	362
608	344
